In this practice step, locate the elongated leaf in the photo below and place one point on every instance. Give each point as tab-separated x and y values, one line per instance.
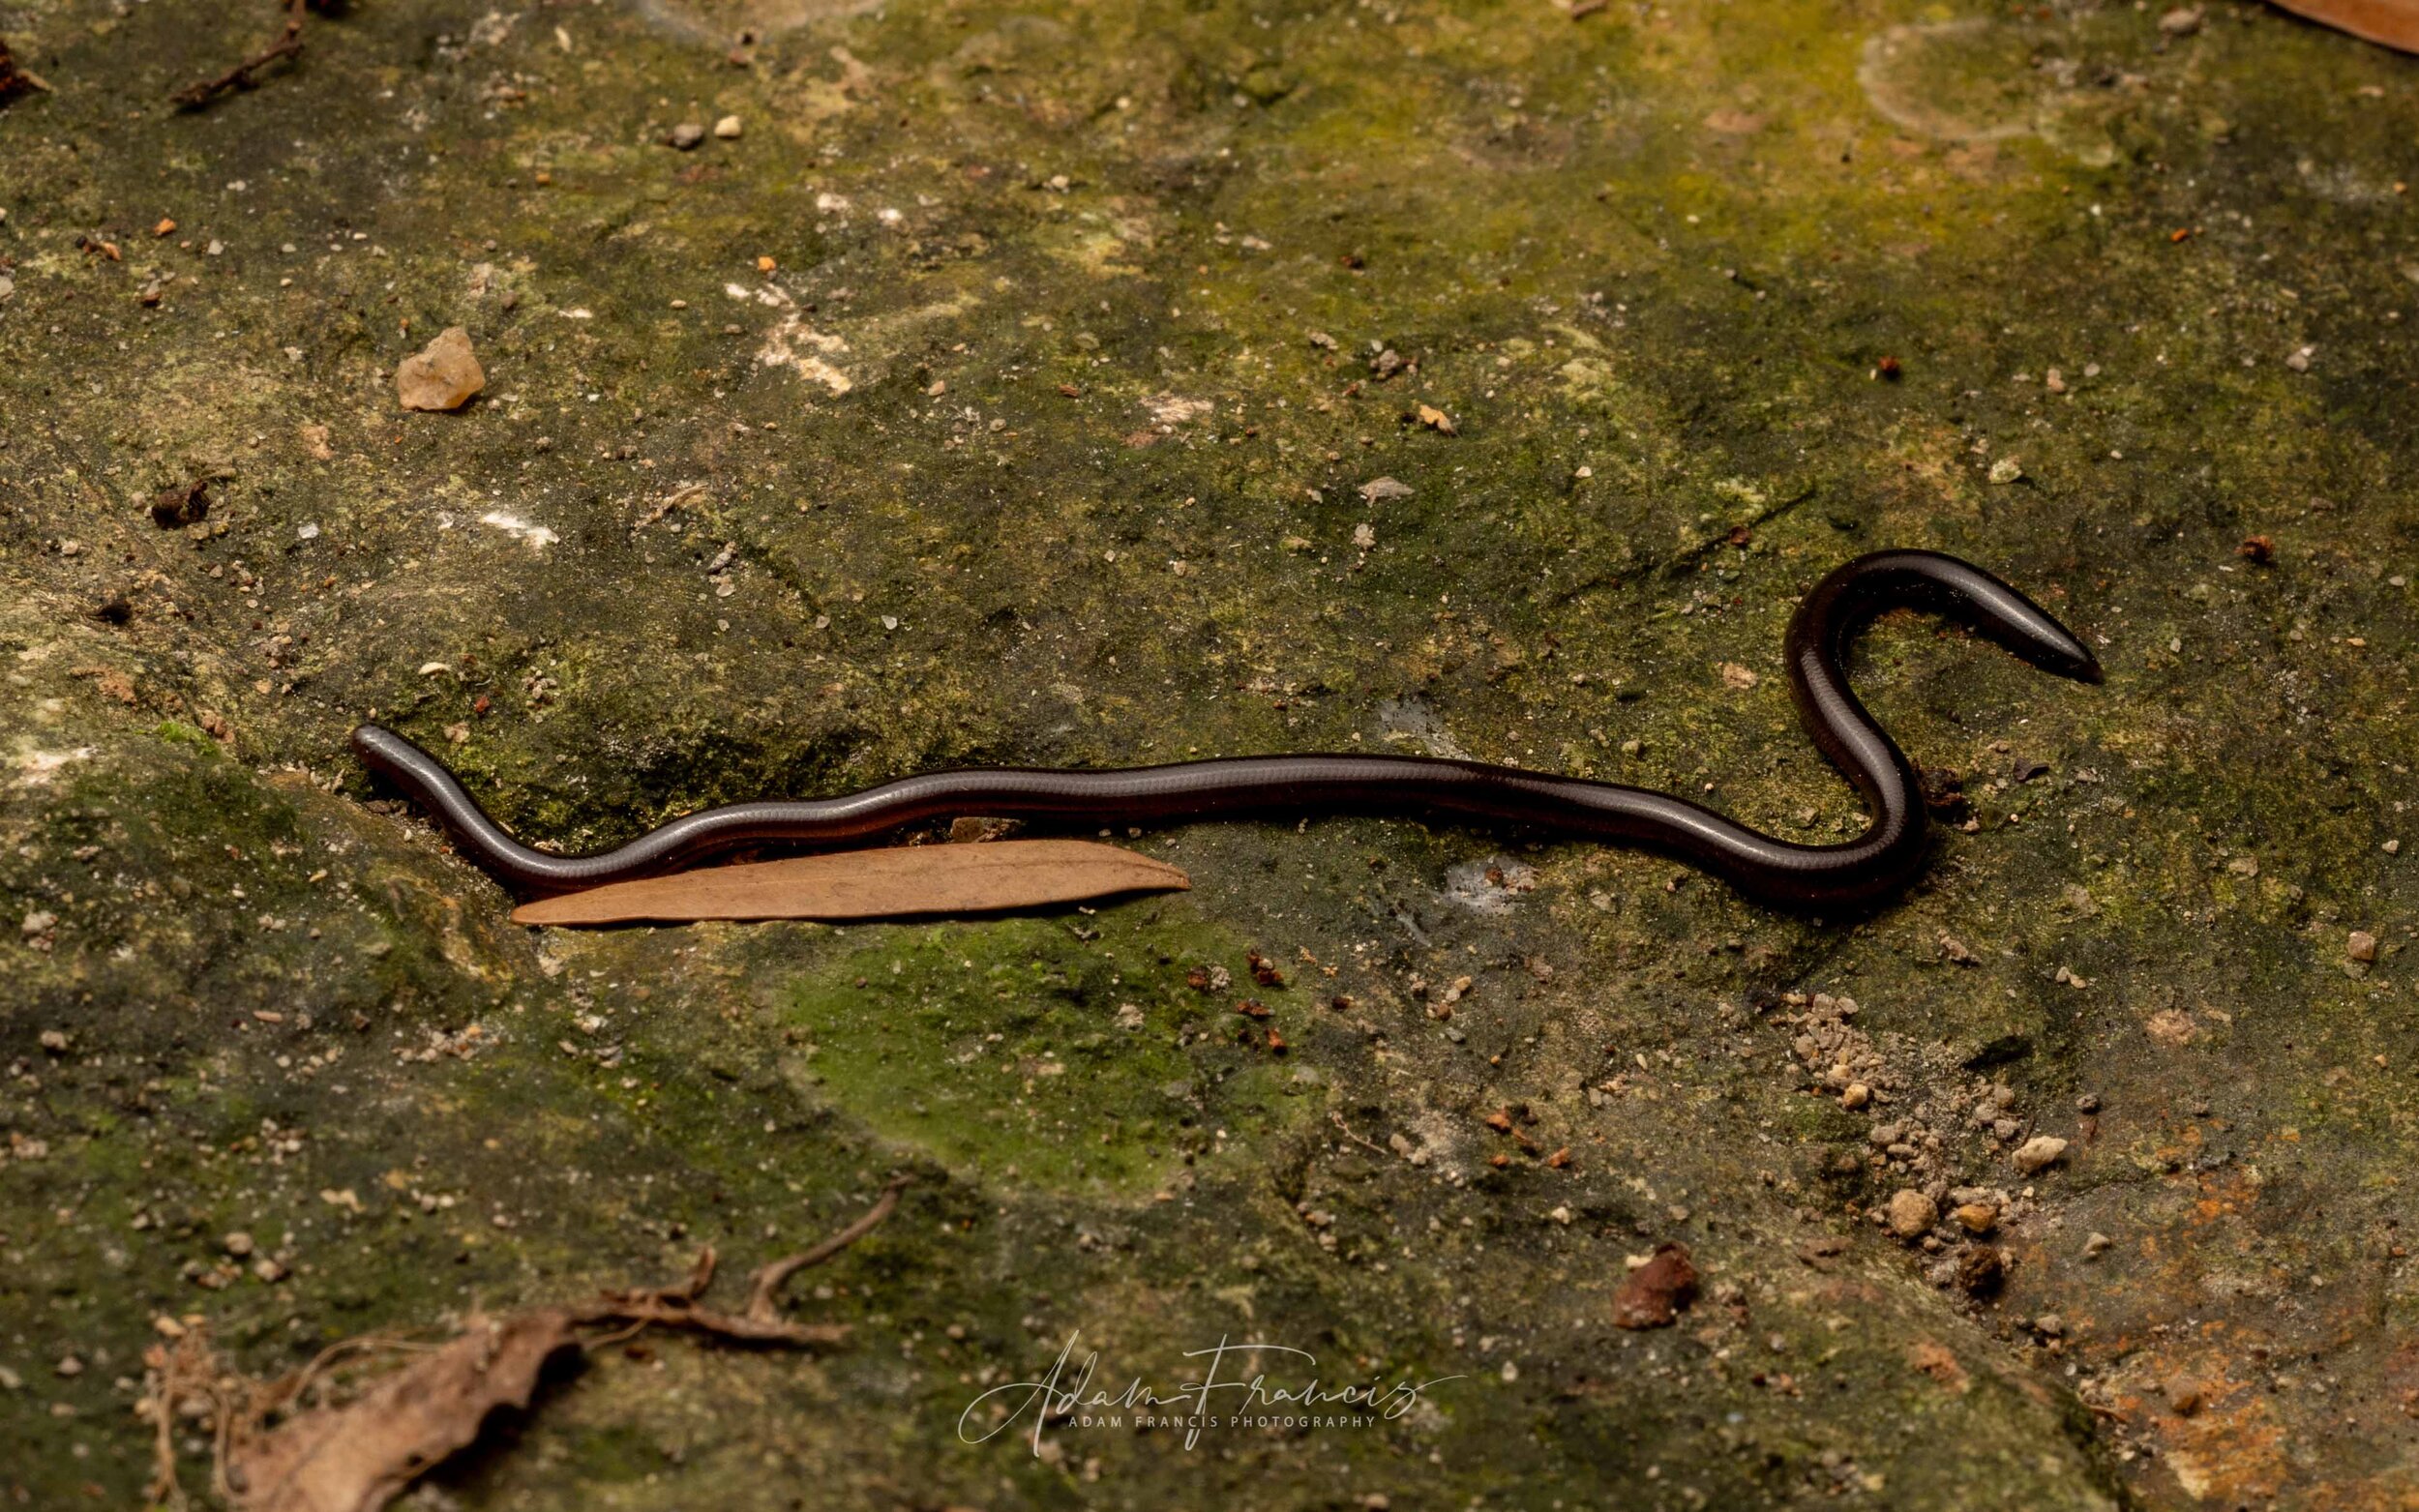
2393	23
872	884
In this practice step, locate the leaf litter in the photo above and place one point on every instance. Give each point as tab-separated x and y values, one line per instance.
273	1453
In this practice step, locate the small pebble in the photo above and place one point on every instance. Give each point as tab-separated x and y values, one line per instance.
2361	945
237	1244
442	376
1857	1095
1911	1213
729	128
1978	1217
2039	1153
2096	1245
685	137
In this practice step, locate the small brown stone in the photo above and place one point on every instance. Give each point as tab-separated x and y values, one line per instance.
1652	1295
2361	945
1912	1214
1977	1217
442	375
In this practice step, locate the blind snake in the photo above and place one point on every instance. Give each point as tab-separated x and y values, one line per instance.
1875	864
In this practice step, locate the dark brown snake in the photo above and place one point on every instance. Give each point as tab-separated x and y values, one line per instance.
1876	864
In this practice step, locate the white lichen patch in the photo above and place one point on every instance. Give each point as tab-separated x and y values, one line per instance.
35	768
537	537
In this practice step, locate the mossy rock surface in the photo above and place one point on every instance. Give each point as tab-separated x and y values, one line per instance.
1050	384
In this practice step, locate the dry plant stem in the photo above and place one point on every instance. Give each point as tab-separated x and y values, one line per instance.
765	1286
288	45
188	1366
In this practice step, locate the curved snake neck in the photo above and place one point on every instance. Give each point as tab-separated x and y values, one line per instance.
1887	856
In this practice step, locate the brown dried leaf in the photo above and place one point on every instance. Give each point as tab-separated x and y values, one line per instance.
359	1457
872	884
362	1455
2394	23
1652	1295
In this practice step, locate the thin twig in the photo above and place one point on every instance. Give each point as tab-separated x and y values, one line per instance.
288	45
1337	1118
765	1286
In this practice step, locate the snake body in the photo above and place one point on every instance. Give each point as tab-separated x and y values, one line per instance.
1877	863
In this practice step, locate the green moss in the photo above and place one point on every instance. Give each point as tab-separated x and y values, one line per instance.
1071	1054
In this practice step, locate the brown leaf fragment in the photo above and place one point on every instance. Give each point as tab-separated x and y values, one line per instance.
1653	1295
901	880
1437	420
361	1456
442	375
2391	23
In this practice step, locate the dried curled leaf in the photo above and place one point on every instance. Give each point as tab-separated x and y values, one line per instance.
872	884
361	1456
